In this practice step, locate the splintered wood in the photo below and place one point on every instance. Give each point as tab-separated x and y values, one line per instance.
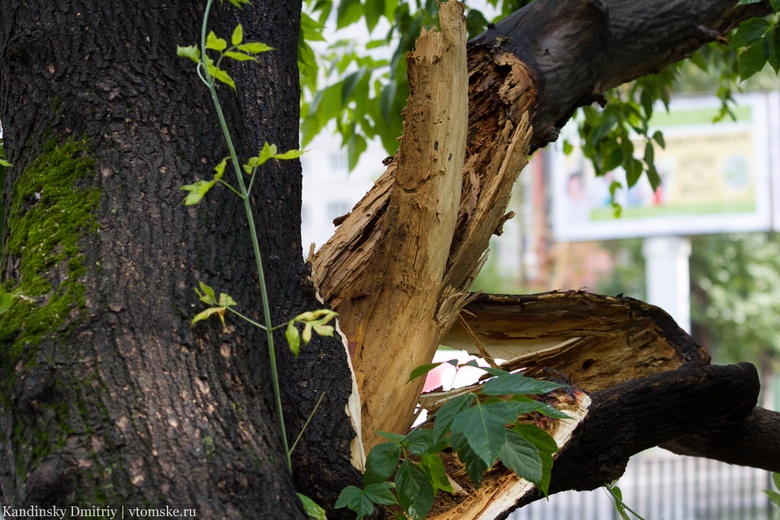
383	269
398	268
593	341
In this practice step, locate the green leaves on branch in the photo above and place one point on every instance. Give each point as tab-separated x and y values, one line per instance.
219	306
198	189
312	321
482	427
237	51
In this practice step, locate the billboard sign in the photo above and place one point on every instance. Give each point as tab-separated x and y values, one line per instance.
715	177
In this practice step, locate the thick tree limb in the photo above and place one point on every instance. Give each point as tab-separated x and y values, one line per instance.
620	422
578	49
651	379
636	415
754	442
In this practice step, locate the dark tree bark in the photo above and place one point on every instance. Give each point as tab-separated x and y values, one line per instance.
109	396
579	49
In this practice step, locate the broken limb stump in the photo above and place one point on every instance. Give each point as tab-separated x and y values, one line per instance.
595	341
518	96
387	294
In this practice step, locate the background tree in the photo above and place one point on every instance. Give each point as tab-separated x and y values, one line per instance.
110	397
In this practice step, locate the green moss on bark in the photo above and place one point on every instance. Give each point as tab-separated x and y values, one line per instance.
50	212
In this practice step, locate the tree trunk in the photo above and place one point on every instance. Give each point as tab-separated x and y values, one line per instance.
109	396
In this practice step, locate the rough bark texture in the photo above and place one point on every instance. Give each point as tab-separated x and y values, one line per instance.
636	415
580	48
110	397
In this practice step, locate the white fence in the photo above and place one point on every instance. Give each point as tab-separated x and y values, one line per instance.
661	486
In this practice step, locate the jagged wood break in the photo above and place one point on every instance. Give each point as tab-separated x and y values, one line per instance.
399	266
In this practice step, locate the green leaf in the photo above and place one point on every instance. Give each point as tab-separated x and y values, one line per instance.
238	56
484	431
6	301
493	371
522	457
355	500
633	171
381	462
420	442
512	384
422	370
395	437
349	12
293	337
374	9
774	496
225	300
238	3
219	311
475	466
206	294
658	137
289	154
355	148
312	508
349	84
196	191
238	35
415	491
192	52
267	152
254	47
215	43
751	60
433	466
546	446
220	168
749	32
539	437
447	413
221	75
379	493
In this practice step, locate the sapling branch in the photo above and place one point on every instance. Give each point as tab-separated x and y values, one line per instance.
209	73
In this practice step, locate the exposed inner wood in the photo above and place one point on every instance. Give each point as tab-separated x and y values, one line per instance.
593	341
398	268
393	250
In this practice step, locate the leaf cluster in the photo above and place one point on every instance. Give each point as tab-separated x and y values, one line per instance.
197	190
611	134
482	427
237	51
